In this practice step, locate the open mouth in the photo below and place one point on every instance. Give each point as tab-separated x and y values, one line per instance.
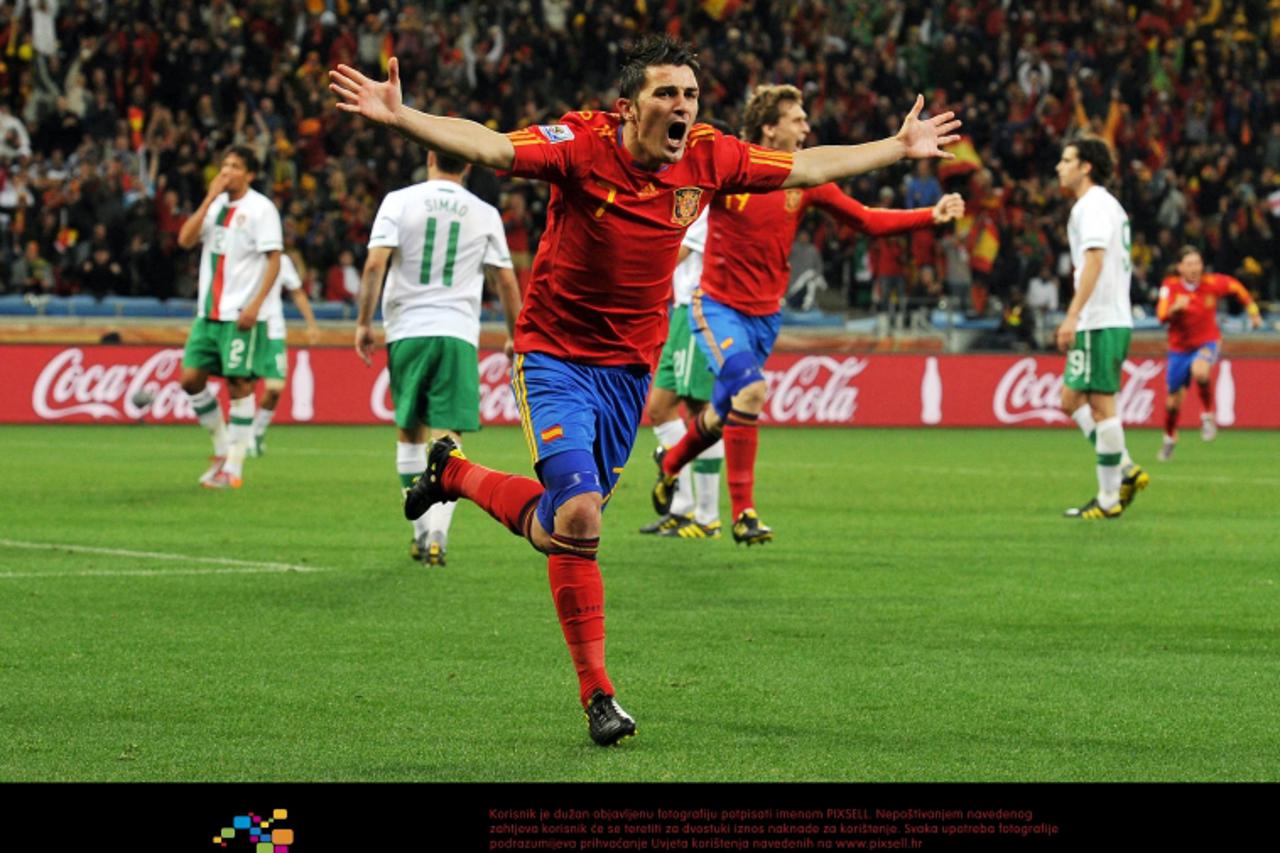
675	134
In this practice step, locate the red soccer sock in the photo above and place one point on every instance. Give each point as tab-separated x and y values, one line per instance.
578	592
697	438
509	498
741	439
1206	396
1171	423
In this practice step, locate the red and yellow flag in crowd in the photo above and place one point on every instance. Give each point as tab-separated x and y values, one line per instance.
720	9
135	127
966	160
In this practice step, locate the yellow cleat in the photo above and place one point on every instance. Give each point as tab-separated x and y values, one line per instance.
1093	511
1135	480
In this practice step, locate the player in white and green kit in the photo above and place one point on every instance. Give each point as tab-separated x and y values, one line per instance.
239	262
435	244
276	361
683	376
1095	334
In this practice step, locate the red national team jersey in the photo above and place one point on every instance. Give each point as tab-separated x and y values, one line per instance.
601	280
747	263
1197	324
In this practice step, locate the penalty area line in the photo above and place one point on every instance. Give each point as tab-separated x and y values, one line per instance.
225	565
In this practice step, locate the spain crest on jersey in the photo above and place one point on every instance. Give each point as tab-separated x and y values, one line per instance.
794	197
684	205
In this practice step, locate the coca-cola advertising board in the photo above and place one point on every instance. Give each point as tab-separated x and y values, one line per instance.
105	384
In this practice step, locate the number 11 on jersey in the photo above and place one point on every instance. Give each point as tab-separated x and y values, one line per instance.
428	253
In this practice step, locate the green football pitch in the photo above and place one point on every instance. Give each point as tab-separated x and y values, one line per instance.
925	614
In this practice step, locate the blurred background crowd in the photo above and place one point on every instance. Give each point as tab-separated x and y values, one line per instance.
113	116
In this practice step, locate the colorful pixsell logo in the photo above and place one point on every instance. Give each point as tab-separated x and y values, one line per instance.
257	833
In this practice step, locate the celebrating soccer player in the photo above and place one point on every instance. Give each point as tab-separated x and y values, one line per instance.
625	186
1189	304
736	311
1099	322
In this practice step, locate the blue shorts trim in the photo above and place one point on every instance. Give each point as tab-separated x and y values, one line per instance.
722	331
1178	373
569	406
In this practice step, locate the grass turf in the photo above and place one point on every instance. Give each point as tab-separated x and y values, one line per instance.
925	614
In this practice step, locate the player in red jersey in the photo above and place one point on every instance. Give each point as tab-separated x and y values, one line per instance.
1189	304
625	186
736	312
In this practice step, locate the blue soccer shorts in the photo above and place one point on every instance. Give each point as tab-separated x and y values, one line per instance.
585	413
1178	373
723	332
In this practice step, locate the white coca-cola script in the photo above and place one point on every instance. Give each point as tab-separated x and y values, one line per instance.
1024	394
815	389
66	386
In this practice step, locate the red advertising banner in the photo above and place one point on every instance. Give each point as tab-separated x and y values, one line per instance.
113	384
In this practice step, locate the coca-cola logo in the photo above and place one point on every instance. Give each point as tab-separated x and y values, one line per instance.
67	386
814	389
1024	394
497	403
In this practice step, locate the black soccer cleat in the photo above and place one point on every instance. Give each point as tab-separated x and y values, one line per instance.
665	523
748	528
428	489
606	720
664	490
1135	480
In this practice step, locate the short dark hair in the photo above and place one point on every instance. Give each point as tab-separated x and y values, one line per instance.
765	107
1095	152
450	164
246	155
653	49
1187	250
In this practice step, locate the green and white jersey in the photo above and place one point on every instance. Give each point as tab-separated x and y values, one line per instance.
688	272
1099	222
273	308
444	237
236	237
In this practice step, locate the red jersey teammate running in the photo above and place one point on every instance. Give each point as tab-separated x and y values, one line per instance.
1189	304
736	313
626	185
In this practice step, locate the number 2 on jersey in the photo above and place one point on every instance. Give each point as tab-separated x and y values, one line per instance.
428	252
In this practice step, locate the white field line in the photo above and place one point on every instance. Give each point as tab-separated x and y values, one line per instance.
228	566
1155	472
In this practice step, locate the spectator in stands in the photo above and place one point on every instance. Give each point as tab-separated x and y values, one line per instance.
342	284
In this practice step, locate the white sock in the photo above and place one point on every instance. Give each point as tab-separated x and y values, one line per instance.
241	432
1083	417
411	461
669	434
439	517
262	420
1110	446
209	414
707	483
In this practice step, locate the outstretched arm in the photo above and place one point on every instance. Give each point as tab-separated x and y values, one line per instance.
917	139
1240	292
880	221
381	103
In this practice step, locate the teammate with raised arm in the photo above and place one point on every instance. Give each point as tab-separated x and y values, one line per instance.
736	312
625	186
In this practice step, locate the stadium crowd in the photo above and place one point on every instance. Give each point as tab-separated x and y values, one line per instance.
112	116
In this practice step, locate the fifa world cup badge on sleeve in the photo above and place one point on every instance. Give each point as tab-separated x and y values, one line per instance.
684	206
556	132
